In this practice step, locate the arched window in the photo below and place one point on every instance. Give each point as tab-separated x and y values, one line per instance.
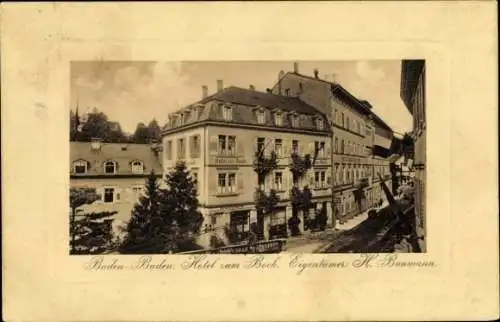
109	167
137	167
80	167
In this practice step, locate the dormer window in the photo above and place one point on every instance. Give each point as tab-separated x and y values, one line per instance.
319	123
227	113
261	117
137	167
110	167
80	167
278	119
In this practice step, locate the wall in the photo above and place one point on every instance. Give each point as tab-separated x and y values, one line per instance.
242	162
315	93
123	187
194	163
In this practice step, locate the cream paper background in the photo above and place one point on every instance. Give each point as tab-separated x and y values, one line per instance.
41	282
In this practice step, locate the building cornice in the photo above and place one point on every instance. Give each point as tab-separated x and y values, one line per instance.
246	126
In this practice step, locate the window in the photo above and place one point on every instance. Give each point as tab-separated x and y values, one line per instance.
278	181
261	145
195	146
109	194
137	190
342	147
320	147
213	220
227	145
347	123
261	117
278	147
137	167
319	124
295	121
320	179
168	150
336	145
181	119
295	146
109	167
335	117
182	149
227	113
278	119
80	167
342	120
226	183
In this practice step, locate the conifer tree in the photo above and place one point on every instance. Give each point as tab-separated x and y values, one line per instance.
179	202
146	231
89	233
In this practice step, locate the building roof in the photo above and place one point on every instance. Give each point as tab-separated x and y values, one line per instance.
363	106
122	154
244	102
410	74
237	95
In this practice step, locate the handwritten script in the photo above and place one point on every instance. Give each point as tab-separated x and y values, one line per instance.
297	263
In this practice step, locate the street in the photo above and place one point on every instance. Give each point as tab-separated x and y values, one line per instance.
360	235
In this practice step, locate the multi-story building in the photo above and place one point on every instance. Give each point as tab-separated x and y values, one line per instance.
117	172
220	138
357	132
413	95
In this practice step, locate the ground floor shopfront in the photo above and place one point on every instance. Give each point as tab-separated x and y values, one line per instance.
233	225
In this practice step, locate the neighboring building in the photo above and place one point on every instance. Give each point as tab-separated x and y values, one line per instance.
218	138
413	95
358	136
117	171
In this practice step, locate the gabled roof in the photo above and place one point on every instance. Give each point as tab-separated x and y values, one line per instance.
115	152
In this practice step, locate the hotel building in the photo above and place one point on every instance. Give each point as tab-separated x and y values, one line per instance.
221	136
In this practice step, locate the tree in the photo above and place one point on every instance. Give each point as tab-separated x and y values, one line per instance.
141	134
154	131
96	125
164	218
147	231
179	202
89	233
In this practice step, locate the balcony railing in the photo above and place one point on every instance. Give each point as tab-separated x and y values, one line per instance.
265	247
362	183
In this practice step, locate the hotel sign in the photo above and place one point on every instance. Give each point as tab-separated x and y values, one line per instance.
351	159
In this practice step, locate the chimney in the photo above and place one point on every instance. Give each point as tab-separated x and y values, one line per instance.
95	144
252	87
316	72
296	67
156	147
220	85
204	90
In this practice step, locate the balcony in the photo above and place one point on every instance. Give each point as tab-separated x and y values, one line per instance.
322	160
362	183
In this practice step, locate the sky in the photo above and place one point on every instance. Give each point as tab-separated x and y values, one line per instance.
133	92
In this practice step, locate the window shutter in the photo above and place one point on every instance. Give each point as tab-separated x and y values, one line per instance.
328	149
286	180
240	148
268	146
310	148
328	177
118	194
100	193
214	141
212	183
287	148
239	181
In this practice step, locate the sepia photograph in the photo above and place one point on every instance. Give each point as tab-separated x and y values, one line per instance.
237	157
